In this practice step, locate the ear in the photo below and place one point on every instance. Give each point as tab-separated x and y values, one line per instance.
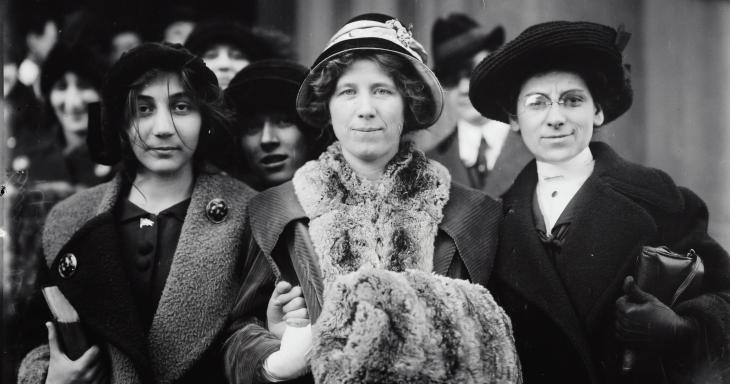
598	117
513	124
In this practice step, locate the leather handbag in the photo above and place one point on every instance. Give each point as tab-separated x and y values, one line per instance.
669	276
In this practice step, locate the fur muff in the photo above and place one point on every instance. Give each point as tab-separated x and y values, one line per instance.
380	326
390	223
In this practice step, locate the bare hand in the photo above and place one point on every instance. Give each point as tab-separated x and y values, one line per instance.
88	368
286	306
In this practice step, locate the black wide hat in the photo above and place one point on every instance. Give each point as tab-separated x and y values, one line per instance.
585	46
266	86
78	59
380	33
105	120
457	37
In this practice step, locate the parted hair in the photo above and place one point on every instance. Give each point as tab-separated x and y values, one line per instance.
415	92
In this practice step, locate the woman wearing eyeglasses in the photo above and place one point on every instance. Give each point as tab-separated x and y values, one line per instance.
578	216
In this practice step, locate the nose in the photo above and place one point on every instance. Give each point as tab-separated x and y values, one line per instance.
164	126
269	137
365	109
555	116
223	61
73	101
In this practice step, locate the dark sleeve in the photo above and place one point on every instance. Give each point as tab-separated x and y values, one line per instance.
711	309
250	343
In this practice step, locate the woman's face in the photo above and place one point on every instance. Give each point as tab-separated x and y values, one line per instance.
367	113
274	148
225	61
69	98
165	132
555	132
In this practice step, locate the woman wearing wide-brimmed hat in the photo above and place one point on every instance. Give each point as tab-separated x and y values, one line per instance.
578	217
363	228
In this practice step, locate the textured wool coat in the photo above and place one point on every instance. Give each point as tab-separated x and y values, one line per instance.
511	160
563	313
187	330
465	246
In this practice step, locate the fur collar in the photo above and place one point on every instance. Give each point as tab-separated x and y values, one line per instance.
389	224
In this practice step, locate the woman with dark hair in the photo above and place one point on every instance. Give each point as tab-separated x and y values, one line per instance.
362	229
579	218
275	141
151	260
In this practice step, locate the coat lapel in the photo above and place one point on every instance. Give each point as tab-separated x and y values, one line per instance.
602	243
525	267
84	225
271	212
201	286
472	219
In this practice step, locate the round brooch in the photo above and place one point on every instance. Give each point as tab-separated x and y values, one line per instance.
68	265
216	210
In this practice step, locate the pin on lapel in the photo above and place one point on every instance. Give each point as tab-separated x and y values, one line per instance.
216	210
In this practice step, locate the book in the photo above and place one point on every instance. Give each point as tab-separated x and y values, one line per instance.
70	333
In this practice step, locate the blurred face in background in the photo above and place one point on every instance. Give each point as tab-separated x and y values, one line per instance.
225	61
457	92
40	45
70	97
122	42
274	147
178	31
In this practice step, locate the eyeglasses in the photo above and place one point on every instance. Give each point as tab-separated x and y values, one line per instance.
541	103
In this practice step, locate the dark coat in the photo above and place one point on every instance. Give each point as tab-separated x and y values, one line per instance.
513	157
465	246
563	313
187	330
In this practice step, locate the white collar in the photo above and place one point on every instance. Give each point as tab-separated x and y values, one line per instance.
579	167
470	136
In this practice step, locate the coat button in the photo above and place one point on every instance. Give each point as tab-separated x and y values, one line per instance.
67	266
216	210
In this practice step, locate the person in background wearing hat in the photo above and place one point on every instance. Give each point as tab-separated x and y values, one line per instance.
374	205
480	153
577	218
227	47
152	260
274	140
178	22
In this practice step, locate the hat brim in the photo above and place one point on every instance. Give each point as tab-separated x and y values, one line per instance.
375	45
468	44
587	46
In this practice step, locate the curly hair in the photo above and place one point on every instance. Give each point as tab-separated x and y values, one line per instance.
216	138
418	99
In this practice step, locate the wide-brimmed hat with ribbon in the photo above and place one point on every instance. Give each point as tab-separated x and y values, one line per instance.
375	32
586	47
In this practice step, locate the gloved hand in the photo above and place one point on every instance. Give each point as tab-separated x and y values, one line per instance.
292	358
644	322
286	303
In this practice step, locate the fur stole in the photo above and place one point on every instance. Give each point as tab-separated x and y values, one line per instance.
386	224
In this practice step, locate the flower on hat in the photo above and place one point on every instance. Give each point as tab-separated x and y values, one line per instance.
405	36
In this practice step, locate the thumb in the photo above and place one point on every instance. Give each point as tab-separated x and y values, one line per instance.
635	294
52	339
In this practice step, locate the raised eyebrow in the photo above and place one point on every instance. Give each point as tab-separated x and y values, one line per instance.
574	90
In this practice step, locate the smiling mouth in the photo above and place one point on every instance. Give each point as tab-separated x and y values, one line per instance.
164	149
555	137
366	129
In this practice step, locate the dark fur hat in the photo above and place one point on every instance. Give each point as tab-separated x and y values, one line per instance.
583	47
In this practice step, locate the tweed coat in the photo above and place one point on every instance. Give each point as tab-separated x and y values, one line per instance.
563	313
465	246
511	160
183	342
